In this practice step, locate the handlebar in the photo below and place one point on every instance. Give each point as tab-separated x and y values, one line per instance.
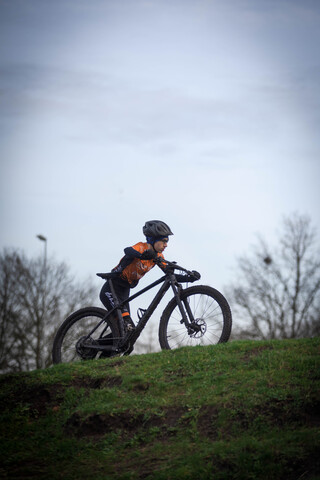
161	261
173	265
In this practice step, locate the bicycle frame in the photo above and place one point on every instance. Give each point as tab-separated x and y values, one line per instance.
130	338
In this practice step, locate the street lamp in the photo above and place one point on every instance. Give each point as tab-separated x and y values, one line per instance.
44	272
43	239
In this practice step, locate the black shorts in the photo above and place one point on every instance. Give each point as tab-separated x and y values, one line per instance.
122	291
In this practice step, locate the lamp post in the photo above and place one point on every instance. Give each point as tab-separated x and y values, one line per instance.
44	270
43	239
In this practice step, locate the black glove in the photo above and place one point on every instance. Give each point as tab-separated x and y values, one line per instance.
148	255
194	276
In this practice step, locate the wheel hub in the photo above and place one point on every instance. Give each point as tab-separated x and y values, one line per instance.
85	352
197	328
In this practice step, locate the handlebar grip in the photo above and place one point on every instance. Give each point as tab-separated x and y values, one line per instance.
160	261
172	266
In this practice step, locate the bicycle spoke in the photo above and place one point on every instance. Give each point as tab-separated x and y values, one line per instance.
206	325
83	336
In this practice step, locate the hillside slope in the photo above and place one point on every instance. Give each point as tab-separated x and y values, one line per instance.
243	410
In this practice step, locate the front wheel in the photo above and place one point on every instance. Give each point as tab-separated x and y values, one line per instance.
73	341
211	322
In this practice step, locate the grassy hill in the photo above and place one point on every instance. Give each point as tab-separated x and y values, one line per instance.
243	410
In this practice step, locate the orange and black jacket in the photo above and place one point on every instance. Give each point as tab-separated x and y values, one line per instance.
131	267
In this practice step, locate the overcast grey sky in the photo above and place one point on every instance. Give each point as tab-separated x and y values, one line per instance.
204	114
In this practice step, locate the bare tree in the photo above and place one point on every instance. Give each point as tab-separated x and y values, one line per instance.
277	294
34	299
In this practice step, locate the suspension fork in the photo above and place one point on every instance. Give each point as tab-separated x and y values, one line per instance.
176	287
189	311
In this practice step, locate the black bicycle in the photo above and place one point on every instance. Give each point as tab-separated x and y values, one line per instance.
197	315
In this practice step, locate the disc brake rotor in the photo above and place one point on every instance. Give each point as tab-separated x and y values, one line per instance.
85	352
197	328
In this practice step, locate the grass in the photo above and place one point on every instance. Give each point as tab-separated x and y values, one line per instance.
243	410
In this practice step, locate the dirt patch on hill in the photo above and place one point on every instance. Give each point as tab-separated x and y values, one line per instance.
37	398
41	398
96	383
126	423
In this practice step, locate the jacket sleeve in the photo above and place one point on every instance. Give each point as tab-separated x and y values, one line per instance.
132	252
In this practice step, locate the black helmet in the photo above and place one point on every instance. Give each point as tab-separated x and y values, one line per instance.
156	228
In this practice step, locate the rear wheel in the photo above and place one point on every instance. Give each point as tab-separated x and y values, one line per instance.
71	343
212	319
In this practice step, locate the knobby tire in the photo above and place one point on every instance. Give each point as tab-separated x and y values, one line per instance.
78	325
212	315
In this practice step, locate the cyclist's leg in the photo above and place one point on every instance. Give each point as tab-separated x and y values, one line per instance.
122	292
106	296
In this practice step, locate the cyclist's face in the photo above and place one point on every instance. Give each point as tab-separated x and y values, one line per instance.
160	245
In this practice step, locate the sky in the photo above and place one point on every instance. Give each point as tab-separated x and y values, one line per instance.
204	114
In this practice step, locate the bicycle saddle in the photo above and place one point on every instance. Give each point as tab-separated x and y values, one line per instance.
106	276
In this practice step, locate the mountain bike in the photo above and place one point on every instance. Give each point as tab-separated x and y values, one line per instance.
196	315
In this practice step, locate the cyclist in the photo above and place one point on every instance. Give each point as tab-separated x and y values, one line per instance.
137	261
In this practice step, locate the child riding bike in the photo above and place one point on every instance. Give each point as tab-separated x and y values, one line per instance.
137	261
197	315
